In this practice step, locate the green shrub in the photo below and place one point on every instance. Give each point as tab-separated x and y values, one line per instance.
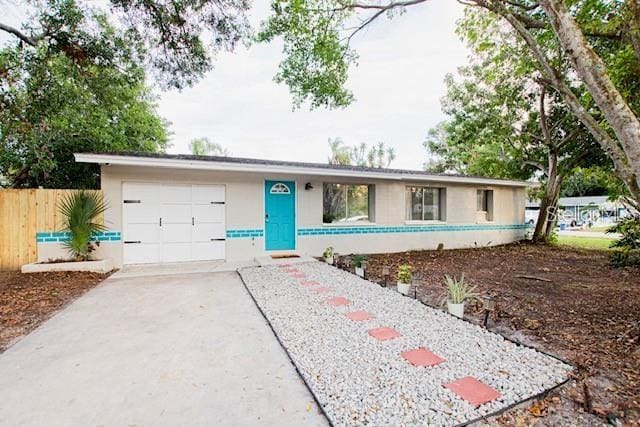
81	210
405	273
358	260
625	258
328	252
629	228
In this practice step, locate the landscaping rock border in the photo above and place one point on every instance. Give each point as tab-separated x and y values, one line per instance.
360	380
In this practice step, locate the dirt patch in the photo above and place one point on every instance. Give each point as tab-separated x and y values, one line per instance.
27	300
568	302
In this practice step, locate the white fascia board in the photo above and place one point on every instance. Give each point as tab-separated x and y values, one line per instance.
106	159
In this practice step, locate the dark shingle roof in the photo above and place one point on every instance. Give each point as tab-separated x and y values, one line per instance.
250	161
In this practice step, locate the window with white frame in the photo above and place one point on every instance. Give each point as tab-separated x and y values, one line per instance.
347	203
484	201
425	203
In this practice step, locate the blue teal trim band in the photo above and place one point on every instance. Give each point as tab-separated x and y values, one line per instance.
245	233
406	229
63	236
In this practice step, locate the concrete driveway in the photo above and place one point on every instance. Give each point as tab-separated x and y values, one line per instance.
152	351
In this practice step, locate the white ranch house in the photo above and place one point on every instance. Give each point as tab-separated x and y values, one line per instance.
174	208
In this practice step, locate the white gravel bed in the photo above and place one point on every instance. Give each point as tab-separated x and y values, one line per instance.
360	380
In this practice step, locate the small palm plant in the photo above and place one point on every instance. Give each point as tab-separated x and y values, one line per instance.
81	209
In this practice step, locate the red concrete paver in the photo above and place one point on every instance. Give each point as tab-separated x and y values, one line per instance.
284	265
310	283
383	334
298	275
336	301
473	391
291	270
421	357
358	316
321	289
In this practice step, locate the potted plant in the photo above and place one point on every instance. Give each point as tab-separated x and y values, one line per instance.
328	255
358	263
456	293
404	278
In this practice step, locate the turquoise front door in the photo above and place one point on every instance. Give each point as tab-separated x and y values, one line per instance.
280	215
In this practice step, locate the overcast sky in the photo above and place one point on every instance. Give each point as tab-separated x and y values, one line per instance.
397	84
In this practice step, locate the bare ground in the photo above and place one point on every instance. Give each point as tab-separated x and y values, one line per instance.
27	300
568	302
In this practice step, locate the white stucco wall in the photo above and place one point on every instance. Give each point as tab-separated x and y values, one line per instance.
245	210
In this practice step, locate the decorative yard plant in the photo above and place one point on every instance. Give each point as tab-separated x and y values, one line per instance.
404	276
81	210
328	255
358	263
456	293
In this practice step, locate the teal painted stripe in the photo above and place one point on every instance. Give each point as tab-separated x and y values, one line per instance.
245	233
406	229
63	236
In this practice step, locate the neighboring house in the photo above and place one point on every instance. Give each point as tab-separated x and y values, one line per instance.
170	208
594	210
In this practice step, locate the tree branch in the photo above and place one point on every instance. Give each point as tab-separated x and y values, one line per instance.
32	41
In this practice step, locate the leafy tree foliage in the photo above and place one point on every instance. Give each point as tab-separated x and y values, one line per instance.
597	55
204	147
178	39
373	156
55	103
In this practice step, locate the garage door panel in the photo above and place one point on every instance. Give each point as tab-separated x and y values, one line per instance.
178	238
176	252
206	232
208	250
140	253
145	193
176	213
206	194
141	213
174	233
146	233
176	194
208	213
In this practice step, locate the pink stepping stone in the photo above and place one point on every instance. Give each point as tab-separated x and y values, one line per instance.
284	265
383	334
298	275
321	289
336	301
473	391
421	357
359	316
310	283
292	270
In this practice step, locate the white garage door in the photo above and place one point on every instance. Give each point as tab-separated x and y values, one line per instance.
171	223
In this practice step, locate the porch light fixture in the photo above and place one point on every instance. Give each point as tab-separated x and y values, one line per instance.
308	186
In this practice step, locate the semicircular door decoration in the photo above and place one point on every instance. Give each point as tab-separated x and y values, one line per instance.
280	188
280	215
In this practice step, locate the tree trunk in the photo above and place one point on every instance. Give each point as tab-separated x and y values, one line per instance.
549	202
592	71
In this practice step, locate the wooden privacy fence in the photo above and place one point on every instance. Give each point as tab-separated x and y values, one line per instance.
23	213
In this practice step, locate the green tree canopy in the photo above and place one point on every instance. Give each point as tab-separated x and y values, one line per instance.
373	156
204	147
177	39
53	104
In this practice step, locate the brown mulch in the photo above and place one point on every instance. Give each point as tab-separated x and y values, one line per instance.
568	302
27	300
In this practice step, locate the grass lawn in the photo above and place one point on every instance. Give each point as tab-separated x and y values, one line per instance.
598	243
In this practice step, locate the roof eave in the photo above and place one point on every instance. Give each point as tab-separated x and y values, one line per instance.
107	159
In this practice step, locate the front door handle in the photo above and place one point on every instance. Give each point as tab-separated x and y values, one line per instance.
266	217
